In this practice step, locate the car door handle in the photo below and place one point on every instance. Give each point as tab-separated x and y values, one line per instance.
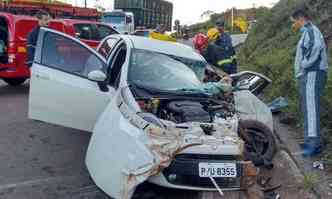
42	76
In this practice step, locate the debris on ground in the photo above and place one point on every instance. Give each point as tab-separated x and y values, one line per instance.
268	188
318	165
288	119
330	185
278	104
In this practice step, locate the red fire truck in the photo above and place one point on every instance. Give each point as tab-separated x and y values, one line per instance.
56	8
15	26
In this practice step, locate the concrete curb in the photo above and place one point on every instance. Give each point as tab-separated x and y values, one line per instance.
293	166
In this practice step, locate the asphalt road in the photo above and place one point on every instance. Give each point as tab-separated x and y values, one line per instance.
39	160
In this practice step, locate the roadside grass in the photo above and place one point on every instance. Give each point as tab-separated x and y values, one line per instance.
309	181
327	158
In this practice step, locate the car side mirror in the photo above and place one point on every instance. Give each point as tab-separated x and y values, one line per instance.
252	81
97	76
243	85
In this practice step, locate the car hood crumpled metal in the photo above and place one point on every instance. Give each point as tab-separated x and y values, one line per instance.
165	143
249	107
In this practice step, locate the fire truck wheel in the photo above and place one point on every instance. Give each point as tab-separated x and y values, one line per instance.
14	81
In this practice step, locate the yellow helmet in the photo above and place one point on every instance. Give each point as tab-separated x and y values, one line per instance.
213	34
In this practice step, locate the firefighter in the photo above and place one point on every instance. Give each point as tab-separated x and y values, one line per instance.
208	48
224	41
216	54
200	43
311	68
43	20
209	51
160	34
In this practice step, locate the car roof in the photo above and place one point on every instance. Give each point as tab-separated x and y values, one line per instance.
170	48
17	17
78	21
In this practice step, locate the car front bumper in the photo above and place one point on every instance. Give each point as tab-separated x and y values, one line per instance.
183	173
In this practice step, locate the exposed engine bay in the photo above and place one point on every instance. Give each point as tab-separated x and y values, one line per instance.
189	110
218	116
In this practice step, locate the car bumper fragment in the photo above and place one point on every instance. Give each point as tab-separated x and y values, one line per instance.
183	171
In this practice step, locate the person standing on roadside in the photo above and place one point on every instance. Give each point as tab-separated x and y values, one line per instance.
43	20
224	41
311	68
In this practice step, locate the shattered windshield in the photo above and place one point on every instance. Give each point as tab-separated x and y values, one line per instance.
165	72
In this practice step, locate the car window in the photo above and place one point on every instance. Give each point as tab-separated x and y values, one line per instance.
67	55
57	25
107	46
117	63
142	33
28	25
104	31
86	31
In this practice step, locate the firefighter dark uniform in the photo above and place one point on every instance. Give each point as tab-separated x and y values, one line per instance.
31	45
227	54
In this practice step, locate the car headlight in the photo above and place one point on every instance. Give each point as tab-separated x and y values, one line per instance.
149	117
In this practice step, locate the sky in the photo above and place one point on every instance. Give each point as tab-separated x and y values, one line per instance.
189	11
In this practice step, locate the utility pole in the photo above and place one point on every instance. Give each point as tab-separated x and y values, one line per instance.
85	3
232	19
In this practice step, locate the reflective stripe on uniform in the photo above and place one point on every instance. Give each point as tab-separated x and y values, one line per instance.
225	61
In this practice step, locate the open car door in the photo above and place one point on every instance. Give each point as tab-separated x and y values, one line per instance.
252	81
65	84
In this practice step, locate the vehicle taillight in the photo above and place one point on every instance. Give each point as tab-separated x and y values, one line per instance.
11	58
21	49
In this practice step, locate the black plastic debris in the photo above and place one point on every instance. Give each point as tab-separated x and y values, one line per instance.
278	104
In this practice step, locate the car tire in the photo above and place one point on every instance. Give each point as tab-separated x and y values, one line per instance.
14	81
260	144
147	191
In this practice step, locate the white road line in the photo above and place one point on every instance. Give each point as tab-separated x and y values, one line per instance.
35	182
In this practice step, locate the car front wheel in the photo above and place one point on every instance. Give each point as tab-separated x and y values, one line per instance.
260	145
14	81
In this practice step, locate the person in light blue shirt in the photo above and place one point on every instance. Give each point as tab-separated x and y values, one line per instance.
311	69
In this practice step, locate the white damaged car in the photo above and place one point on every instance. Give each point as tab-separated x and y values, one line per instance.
152	115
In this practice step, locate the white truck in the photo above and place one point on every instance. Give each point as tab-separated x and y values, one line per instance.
122	21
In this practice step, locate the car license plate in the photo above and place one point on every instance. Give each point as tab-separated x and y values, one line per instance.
225	170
